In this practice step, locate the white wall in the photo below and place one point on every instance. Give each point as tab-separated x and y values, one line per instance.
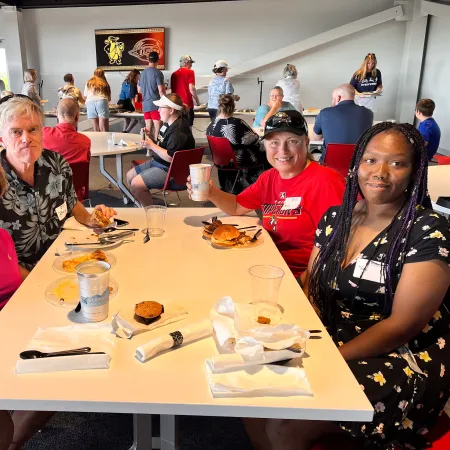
62	40
436	75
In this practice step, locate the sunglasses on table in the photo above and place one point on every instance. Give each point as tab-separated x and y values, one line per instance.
9	97
275	122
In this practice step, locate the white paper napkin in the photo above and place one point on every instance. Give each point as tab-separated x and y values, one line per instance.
126	326
184	335
97	336
123	143
237	331
259	381
72	224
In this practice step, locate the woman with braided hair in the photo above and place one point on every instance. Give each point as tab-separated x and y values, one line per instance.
379	278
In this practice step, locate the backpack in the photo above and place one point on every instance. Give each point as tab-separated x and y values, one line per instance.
125	92
67	91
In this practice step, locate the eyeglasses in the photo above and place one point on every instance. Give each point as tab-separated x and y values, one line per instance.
9	97
281	120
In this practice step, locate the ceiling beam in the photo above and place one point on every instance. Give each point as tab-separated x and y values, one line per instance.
435	9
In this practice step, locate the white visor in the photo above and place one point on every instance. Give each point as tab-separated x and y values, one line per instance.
164	101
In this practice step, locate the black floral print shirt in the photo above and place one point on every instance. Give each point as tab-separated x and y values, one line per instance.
33	216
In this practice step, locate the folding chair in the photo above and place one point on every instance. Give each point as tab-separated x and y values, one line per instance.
223	155
338	157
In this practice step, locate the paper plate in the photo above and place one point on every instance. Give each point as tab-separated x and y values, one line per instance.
258	243
74	240
58	262
64	292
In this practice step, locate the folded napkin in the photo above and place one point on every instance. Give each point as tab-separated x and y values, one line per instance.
259	381
126	326
97	336
122	143
72	224
237	331
184	335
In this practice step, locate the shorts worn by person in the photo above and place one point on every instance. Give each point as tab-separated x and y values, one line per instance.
149	81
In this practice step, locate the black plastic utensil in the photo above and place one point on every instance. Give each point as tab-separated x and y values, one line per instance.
35	354
231	224
111	229
247	228
315	331
253	239
78	307
147	236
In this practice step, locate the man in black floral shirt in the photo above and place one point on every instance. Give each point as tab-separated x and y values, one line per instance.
40	194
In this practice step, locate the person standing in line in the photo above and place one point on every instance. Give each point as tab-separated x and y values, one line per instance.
69	90
428	127
182	82
97	94
367	79
218	86
127	98
291	87
151	85
29	86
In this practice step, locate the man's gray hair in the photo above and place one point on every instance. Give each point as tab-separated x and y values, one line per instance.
278	88
19	107
290	71
346	91
68	108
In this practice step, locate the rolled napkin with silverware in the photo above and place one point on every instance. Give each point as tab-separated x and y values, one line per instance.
87	346
189	333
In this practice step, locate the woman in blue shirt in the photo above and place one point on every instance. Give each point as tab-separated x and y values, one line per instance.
127	97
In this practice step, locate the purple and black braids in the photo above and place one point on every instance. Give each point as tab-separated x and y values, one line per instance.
328	262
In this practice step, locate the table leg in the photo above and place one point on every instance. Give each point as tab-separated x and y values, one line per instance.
169	438
119	182
142	433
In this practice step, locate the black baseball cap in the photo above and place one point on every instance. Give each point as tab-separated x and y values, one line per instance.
291	121
153	56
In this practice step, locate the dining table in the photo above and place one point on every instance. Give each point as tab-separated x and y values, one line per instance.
182	267
101	148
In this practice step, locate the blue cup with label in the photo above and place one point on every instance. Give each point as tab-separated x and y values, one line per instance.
93	282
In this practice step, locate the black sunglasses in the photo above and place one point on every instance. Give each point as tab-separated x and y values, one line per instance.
9	97
281	119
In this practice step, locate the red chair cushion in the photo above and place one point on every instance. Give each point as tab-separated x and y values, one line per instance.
137	162
442	160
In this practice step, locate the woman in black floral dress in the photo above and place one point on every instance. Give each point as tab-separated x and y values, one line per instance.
379	278
245	144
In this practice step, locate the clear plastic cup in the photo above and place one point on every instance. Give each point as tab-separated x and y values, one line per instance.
93	282
200	176
265	283
156	216
111	139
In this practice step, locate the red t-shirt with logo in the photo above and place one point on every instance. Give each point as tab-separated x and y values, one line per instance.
292	208
179	83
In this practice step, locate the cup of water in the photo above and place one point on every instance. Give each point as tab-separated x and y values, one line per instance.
111	139
93	282
265	283
155	215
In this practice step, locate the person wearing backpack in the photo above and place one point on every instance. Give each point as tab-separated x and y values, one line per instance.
128	96
69	90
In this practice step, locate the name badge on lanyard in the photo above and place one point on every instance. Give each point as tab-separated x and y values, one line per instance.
369	270
291	203
163	129
61	211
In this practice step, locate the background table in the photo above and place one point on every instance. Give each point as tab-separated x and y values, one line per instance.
101	148
439	185
180	266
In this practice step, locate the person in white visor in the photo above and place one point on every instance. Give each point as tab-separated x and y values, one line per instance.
175	134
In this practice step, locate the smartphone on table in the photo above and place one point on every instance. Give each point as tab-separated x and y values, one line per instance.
121	223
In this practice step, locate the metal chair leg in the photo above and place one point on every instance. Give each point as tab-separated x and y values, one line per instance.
164	197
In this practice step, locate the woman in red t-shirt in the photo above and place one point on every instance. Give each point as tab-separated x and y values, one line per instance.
293	196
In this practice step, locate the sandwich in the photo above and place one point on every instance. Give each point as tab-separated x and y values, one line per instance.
228	236
100	218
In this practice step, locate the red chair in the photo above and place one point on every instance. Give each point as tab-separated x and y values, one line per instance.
224	158
178	170
442	160
80	179
439	437
338	157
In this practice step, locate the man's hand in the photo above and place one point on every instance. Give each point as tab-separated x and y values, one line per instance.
107	212
277	104
237	98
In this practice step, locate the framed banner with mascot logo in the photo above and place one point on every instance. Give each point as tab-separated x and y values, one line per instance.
128	49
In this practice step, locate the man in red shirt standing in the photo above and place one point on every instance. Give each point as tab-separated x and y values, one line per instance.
182	83
75	147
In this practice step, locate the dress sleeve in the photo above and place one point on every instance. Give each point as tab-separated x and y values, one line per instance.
246	134
429	239
325	226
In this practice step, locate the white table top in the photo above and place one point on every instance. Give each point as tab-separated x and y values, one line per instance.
100	147
179	266
439	181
